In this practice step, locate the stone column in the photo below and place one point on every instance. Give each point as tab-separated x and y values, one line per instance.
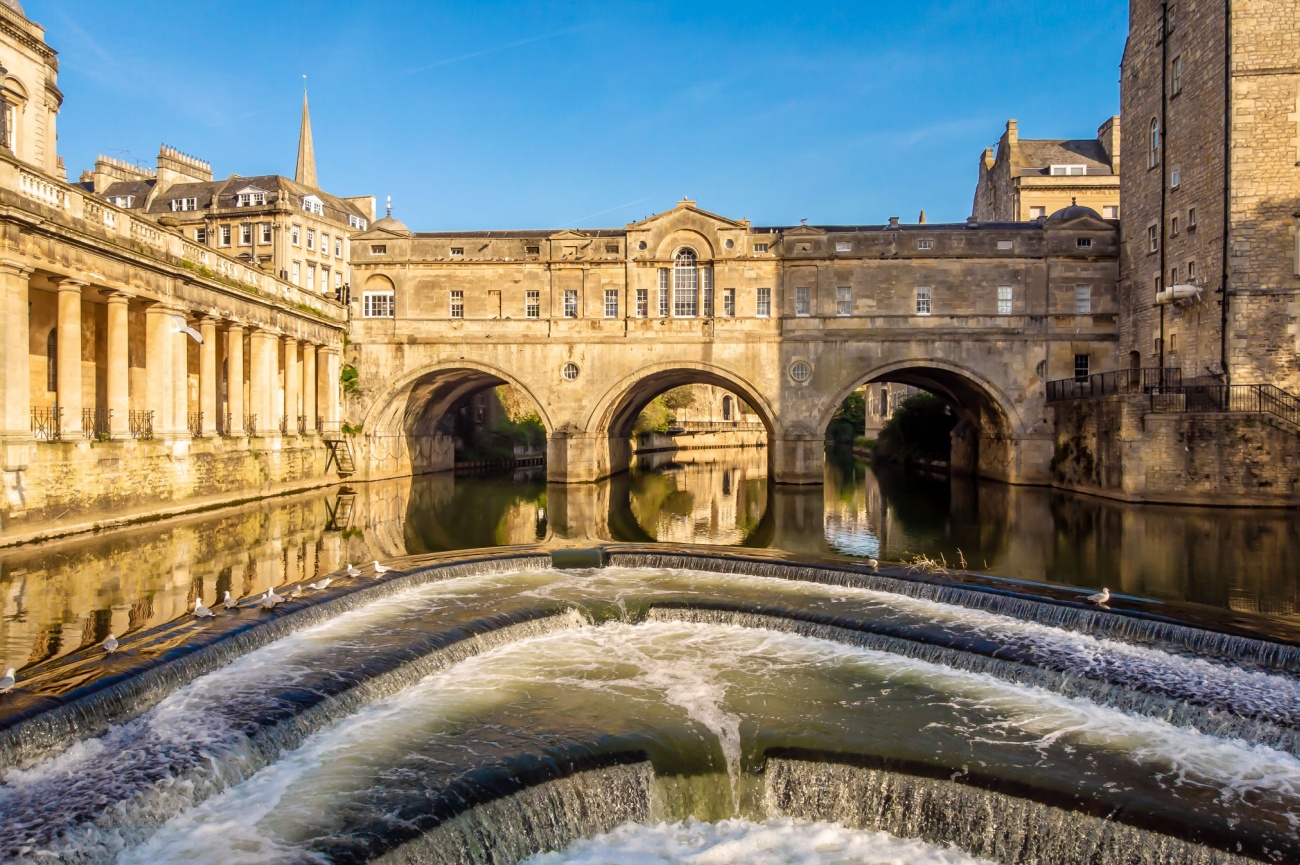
235	377
119	371
180	377
261	385
208	375
309	384
69	357
292	384
159	362
328	379
15	371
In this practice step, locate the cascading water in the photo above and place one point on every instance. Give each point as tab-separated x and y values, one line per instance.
493	715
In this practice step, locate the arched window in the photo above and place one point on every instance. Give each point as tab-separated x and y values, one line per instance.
726	408
686	284
1153	157
52	360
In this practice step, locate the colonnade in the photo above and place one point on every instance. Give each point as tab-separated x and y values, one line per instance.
100	385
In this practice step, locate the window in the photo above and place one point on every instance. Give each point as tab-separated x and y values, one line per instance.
1191	218
378	249
569	371
1176	75
324	279
1083	242
312	204
324	244
611	303
642	303
763	303
338	281
729	302
1173	227
1082	300
800	371
1155	347
200	235
1191	271
52	361
266	232
1173	275
611	249
532	250
1110	211
663	292
311	275
225	235
1173	343
1004	300
532	303
1004	244
1173	179
760	247
1158	286
458	250
707	275
686	284
1037	212
356	222
123	200
338	247
294	272
923	298
185	204
458	304
1081	367
803	301
377	304
311	238
843	246
295	235
925	244
1069	170
245	234
249	199
843	300
1153	144
570	303
1153	239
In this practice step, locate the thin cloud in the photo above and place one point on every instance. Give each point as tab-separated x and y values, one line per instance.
493	50
574	222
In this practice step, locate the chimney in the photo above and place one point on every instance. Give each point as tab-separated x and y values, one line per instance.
1108	135
1013	133
921	221
989	158
893	222
176	167
109	171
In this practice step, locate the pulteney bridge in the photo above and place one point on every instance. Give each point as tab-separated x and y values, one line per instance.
591	325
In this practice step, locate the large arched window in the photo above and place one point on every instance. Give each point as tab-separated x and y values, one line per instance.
52	360
1153	156
686	283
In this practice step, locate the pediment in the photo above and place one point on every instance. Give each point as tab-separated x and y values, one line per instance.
569	234
683	208
1081	223
804	231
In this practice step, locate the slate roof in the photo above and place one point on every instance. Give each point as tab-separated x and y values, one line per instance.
226	191
525	234
1037	155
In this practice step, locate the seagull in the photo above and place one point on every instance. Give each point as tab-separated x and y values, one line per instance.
110	645
179	326
323	584
230	602
201	611
8	681
297	591
351	571
381	569
270	599
873	564
1100	598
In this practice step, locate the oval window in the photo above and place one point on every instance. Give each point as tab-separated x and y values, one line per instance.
569	371
800	371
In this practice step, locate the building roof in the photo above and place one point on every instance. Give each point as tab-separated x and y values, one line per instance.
226	191
1038	155
1074	211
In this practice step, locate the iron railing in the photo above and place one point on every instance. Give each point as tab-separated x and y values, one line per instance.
194	420
47	424
140	423
250	424
97	423
1144	380
302	424
719	425
284	425
224	421
1211	398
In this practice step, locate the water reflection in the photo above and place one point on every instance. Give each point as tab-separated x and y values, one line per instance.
60	595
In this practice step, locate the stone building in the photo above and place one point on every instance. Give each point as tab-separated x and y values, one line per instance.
290	228
882	400
1210	261
1032	178
29	92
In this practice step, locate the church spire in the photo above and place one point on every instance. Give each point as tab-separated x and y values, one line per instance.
306	171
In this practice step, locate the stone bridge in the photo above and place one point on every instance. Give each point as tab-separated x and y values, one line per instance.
591	325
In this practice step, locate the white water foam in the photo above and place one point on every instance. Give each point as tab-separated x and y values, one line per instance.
742	842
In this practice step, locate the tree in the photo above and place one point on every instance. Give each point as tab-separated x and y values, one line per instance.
849	419
920	430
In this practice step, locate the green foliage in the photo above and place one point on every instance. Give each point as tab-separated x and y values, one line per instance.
679	397
307	307
527	430
349	430
349	377
655	417
920	430
849	419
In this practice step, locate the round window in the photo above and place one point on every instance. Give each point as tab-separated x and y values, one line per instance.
730	244
800	371
569	371
641	245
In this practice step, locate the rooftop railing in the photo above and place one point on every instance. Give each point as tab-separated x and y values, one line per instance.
1143	380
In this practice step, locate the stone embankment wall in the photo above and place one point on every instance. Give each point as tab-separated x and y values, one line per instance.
79	485
1119	448
691	440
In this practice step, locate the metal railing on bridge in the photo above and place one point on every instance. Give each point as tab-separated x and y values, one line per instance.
1144	380
1212	398
718	425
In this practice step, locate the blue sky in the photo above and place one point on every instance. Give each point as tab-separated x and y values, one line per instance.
547	115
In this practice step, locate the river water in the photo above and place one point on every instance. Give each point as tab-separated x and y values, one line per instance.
60	595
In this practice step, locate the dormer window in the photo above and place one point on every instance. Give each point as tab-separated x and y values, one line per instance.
124	200
179	204
760	247
356	222
1083	242
1068	170
458	250
250	198
312	204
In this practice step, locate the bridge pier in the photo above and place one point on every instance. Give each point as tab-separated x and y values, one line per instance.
797	458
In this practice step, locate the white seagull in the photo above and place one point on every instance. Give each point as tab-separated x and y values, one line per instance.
381	569
297	591
201	611
1100	598
270	599
8	681
323	584
351	571
179	326
110	645
873	564
230	602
